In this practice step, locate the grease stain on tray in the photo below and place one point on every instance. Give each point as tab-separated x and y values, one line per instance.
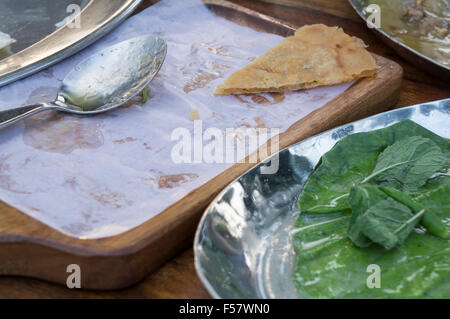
261	99
199	81
57	132
48	73
111	199
124	140
6	182
200	71
78	228
259	122
72	182
172	181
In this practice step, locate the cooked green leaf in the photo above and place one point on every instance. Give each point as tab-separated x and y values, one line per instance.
407	164
351	161
334	209
387	223
329	265
430	220
361	198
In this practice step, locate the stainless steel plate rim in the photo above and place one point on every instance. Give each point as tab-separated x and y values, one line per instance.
76	46
197	239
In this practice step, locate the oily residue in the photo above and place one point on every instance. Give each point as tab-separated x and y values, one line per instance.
124	140
223	51
77	228
199	81
200	71
259	122
6	182
172	181
47	73
111	199
219	67
58	132
72	182
261	99
62	133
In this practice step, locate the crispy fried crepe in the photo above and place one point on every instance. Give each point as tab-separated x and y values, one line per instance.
316	55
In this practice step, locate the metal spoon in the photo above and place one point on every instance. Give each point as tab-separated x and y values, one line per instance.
104	81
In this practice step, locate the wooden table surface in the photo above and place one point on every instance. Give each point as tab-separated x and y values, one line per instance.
177	278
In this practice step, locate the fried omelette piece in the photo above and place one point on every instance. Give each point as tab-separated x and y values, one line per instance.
316	55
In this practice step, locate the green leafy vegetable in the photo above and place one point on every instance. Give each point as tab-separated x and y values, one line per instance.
376	187
145	93
430	220
331	266
378	218
352	160
407	164
361	198
387	223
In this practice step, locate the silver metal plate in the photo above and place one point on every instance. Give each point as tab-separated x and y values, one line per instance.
418	59
40	43
243	247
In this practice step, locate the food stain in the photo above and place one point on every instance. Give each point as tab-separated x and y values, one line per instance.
198	82
259	122
6	182
109	199
71	182
261	99
194	115
172	181
219	67
47	73
223	51
199	71
124	140
77	228
58	132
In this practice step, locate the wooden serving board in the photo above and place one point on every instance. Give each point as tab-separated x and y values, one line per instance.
30	248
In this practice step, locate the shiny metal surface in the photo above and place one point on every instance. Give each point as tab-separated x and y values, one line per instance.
418	59
39	43
243	245
104	81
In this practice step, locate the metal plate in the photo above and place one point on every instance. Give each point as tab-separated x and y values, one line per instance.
243	247
416	58
39	43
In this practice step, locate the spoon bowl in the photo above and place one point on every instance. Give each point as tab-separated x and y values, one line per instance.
104	81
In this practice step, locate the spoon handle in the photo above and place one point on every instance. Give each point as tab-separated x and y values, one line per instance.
11	116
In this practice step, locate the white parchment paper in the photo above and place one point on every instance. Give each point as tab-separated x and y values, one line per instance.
92	177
